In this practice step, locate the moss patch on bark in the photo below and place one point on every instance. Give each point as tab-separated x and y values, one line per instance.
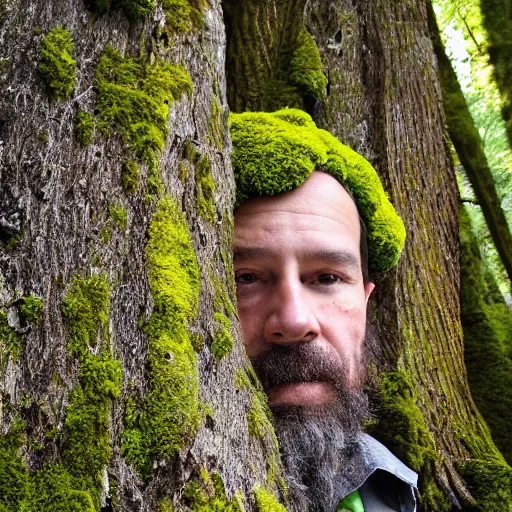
57	66
171	413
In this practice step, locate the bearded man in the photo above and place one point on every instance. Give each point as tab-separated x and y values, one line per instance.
301	269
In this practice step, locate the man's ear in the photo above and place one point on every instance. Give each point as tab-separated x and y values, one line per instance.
368	289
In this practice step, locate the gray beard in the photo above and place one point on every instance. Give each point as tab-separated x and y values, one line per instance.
315	442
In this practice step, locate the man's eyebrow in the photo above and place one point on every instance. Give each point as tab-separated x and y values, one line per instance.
333	256
251	253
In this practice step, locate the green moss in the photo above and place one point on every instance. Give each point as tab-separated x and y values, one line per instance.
31	309
14	241
137	9
402	428
207	494
266	501
11	343
134	98
171	413
487	326
205	188
75	483
130	176
184	15
119	215
106	233
490	483
183	172
86	442
190	153
13	472
275	153
306	71
84	128
223	340
57	66
165	505
215	126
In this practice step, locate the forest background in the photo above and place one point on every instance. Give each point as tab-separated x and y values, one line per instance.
124	384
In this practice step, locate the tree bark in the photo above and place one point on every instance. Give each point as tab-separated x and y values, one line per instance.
104	401
383	99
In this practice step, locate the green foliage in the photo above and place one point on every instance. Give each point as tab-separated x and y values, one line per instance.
84	128
119	215
171	412
208	495
490	483
57	66
306	71
487	325
223	340
130	176
184	15
31	309
205	188
11	343
276	152
134	98
266	501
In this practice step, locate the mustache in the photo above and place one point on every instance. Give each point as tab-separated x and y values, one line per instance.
303	362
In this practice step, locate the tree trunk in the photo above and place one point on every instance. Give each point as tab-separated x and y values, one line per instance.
124	385
497	20
468	144
383	99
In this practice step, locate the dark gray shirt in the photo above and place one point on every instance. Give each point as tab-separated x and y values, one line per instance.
384	483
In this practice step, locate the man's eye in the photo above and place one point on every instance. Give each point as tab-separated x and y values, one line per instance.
245	278
328	279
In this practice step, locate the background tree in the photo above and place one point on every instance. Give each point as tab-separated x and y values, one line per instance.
383	98
123	382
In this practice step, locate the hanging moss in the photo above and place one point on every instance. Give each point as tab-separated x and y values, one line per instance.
223	340
277	152
205	188
134	99
130	176
57	66
31	309
132	9
171	413
306	71
207	494
84	128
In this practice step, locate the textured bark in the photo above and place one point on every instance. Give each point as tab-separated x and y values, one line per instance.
56	225
384	100
468	144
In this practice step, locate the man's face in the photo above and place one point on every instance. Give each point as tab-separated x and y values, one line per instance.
300	286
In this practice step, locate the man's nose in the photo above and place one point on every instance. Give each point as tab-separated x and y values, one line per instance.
292	319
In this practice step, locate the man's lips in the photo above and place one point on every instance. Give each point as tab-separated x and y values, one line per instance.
306	394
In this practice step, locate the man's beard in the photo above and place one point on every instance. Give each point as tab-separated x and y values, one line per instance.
315	442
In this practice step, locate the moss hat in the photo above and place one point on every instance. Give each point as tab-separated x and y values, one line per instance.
276	152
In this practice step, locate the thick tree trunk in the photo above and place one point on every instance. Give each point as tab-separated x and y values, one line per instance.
383	98
468	144
122	377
